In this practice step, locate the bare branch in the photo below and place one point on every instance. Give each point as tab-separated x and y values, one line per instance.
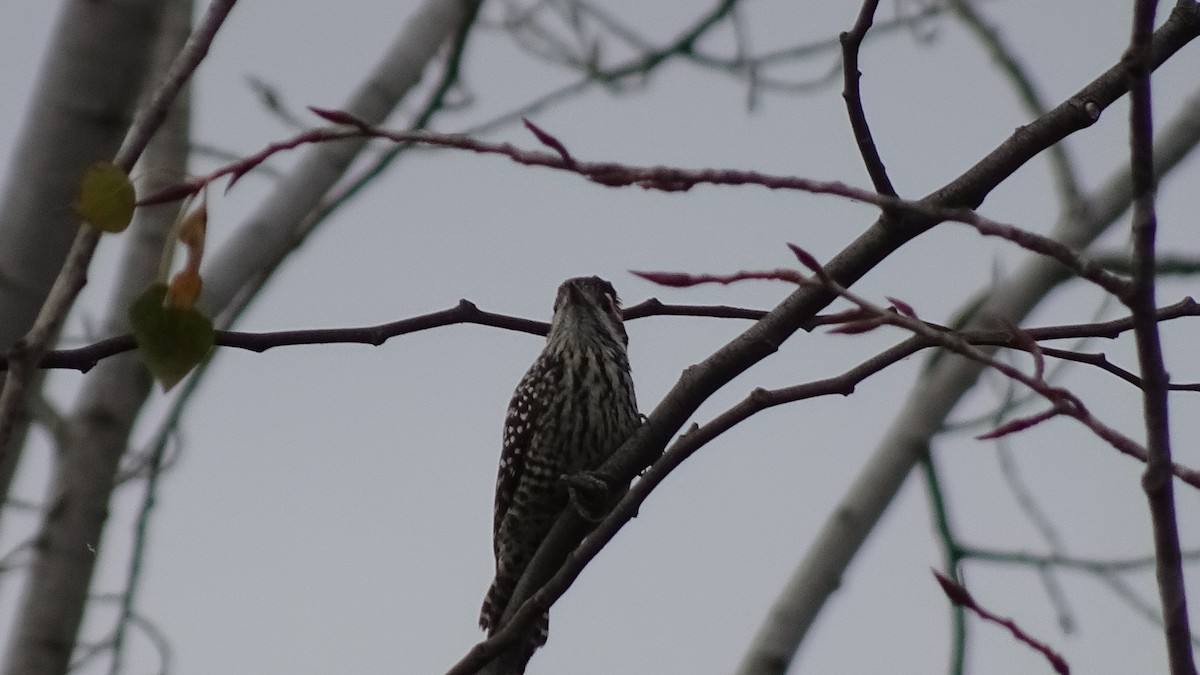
944	383
1156	481
1062	401
697	437
851	44
85	358
1102	362
1036	243
668	179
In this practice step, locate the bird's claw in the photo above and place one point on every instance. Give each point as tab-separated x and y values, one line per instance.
591	493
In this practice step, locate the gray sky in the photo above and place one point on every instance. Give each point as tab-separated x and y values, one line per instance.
331	508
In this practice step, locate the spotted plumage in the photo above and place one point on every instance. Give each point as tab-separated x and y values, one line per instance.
571	411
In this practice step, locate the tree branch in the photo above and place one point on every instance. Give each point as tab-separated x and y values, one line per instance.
876	243
959	596
943	384
518	618
851	92
1156	481
85	358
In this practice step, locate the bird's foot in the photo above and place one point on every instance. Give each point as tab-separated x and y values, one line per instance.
591	493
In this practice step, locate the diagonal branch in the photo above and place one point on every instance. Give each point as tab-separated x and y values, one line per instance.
946	381
1062	401
758	400
547	572
959	596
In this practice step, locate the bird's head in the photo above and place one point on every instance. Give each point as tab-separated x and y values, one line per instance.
587	308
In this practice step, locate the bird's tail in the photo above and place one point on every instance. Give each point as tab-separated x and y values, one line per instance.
494	605
537	638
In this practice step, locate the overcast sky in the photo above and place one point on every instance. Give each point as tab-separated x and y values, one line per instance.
330	511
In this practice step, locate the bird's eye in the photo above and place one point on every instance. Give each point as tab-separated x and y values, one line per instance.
610	295
612	303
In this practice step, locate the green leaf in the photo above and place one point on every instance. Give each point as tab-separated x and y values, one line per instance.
171	340
106	197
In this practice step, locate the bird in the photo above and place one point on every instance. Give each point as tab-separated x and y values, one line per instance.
571	411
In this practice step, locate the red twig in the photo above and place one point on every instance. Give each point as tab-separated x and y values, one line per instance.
1062	400
550	142
961	597
662	178
1019	424
683	279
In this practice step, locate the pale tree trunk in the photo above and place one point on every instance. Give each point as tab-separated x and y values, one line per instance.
56	592
84	101
97	431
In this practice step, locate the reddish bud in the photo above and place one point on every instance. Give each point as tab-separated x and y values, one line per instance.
339	117
806	259
953	590
672	279
902	307
549	141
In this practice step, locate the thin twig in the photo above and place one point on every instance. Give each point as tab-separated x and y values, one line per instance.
546	570
667	179
1118	565
851	44
1062	401
952	550
959	596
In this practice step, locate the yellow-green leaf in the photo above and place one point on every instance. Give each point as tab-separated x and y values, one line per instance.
106	197
171	340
